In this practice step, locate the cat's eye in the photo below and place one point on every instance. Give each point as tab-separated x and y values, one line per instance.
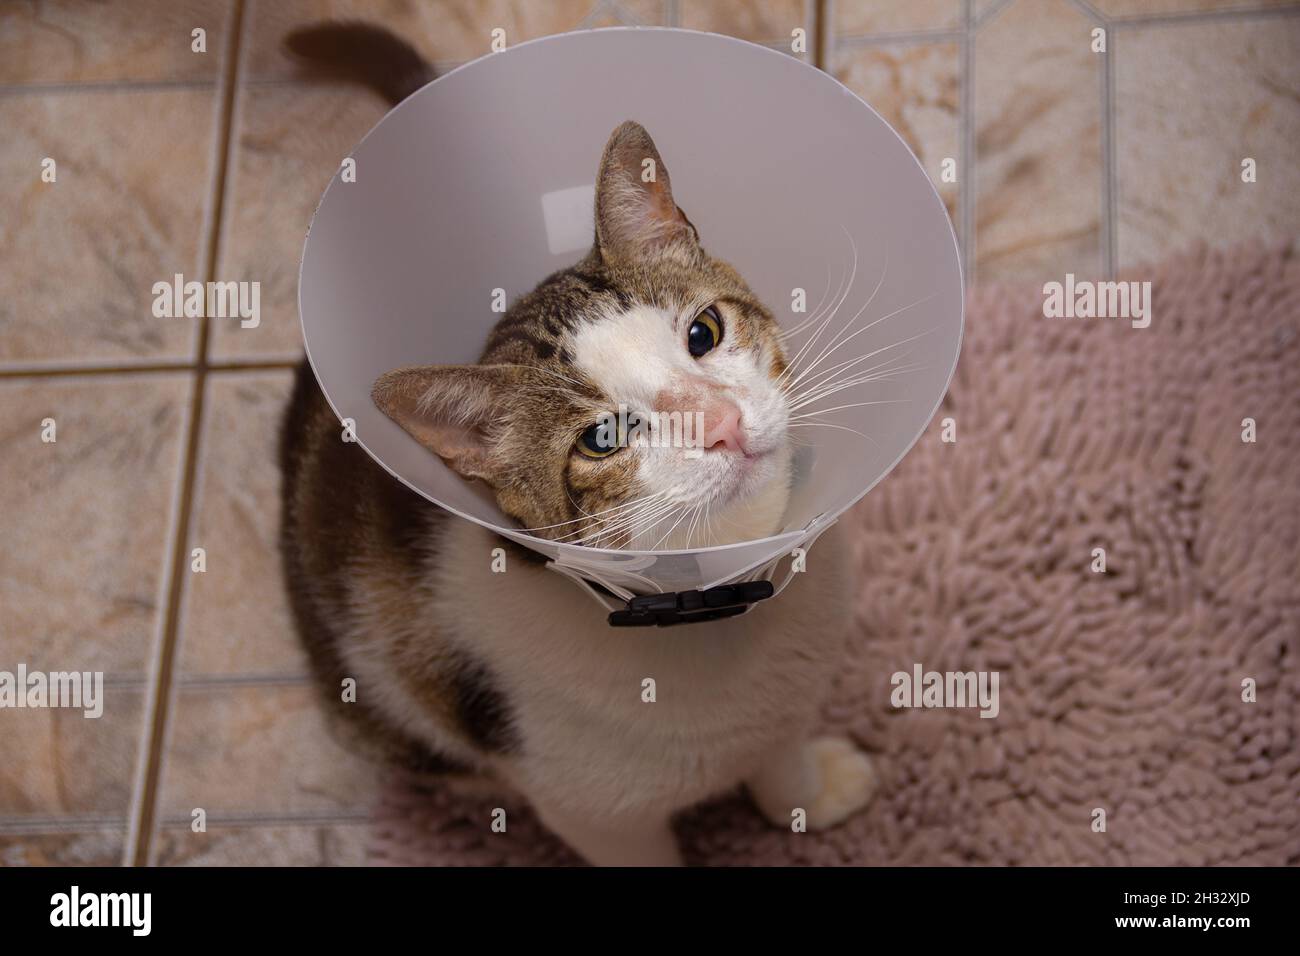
705	333
598	441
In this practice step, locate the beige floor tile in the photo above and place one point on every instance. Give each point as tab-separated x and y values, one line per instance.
236	612
289	143
72	41
126	210
260	749
91	848
1038	181
865	17
917	89
445	31
761	22
58	762
86	518
1192	101
297	845
1129	8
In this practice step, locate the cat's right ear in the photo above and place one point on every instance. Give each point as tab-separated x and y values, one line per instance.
452	410
636	214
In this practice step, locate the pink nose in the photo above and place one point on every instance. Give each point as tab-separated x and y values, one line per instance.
722	428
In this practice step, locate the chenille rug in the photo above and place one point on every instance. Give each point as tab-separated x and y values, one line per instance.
1125	695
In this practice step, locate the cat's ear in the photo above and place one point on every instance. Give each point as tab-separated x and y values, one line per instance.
635	211
449	409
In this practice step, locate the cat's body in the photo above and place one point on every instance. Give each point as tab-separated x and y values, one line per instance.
517	675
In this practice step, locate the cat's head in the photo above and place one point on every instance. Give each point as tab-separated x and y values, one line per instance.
577	414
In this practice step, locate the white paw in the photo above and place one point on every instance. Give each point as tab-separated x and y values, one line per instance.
846	781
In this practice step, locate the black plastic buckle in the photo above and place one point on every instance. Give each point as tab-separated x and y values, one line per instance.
690	607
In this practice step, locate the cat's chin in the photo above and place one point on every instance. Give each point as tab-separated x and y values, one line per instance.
749	505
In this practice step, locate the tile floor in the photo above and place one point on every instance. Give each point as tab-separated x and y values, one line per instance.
210	163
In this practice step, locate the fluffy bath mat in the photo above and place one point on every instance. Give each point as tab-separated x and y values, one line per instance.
1119	691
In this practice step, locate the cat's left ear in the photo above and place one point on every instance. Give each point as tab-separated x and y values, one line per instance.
452	410
636	215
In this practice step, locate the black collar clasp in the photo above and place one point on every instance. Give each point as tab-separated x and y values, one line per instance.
690	607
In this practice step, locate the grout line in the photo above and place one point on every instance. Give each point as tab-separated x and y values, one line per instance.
966	177
598	9
901	37
153	368
136	680
1202	16
615	9
253	365
144	805
672	13
307	80
76	823
303	818
92	823
107	86
821	13
63	371
216	681
991	14
1109	181
1089	11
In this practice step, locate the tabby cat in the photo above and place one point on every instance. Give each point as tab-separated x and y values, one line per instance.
517	678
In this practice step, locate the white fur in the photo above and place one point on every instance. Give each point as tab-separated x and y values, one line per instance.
632	357
736	701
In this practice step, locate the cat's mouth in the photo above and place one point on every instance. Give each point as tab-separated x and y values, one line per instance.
739	475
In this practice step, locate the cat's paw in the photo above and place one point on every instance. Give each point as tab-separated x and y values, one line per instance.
846	781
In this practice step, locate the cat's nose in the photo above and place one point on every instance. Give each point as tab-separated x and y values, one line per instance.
723	429
714	419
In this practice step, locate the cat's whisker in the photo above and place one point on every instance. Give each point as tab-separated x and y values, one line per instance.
837	340
825	376
595	525
840	388
789	333
633	526
883	401
685	510
651	512
844	428
881	370
860	378
586	515
831	388
871	325
795	365
785	334
835	308
600	534
883	348
695	522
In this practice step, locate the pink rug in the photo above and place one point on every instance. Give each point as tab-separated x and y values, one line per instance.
1120	691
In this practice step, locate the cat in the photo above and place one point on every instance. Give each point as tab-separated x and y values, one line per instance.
517	677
